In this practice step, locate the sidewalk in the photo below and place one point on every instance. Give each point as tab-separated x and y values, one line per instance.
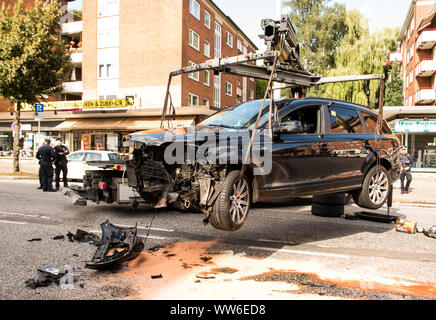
29	169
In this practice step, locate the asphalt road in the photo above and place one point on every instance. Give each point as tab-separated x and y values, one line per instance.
282	244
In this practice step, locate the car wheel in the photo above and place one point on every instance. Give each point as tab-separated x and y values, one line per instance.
330	211
231	208
375	189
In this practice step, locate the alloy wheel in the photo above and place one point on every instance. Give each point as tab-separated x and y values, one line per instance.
239	201
378	187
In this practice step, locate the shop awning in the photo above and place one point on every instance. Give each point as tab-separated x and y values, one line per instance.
122	124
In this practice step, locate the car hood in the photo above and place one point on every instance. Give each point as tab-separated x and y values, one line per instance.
157	137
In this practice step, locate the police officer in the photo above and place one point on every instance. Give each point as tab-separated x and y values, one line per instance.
406	164
61	161
46	156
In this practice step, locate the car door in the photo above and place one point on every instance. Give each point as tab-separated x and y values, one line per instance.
75	165
297	167
344	144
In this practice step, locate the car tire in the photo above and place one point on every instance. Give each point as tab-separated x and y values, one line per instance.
232	206
329	199
329	211
375	189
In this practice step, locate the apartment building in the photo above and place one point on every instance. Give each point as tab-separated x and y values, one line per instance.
415	122
418	47
123	52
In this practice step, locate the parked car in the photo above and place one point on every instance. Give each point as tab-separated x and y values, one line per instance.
319	146
77	162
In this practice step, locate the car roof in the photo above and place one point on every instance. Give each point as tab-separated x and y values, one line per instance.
345	103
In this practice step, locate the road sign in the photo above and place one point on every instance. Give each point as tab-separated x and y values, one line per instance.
39	108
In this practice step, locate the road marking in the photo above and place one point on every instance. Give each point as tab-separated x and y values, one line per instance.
309	253
144	228
276	241
24	215
12	222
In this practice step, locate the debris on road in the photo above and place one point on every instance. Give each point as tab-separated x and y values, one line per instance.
117	245
34	239
83	236
205	259
61	237
46	277
406	226
157	277
430	232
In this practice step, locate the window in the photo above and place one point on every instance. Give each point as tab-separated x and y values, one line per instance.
252	79
207	19
245	50
92	156
344	120
108	8
371	124
229	89
239	45
109	70
206	78
105	71
194	40
207	49
308	116
76	156
194	8
206	102
217	92
251	94
192	100
218	39
229	40
100	70
194	75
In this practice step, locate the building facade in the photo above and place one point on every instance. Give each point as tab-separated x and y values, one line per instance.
123	52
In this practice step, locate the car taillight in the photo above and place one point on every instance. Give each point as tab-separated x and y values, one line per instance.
119	168
102	186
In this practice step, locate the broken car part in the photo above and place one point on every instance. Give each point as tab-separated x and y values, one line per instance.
46	277
117	245
430	232
83	236
407	226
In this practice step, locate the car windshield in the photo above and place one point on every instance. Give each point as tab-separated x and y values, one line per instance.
242	116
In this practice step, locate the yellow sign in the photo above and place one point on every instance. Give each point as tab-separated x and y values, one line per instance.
79	105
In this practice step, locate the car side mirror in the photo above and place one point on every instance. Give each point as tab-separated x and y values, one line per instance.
288	127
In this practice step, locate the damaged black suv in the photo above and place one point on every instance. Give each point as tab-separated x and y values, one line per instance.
319	146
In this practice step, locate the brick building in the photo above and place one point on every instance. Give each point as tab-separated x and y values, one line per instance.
418	40
126	49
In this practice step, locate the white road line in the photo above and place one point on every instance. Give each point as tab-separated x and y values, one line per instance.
309	253
144	228
276	241
12	222
24	215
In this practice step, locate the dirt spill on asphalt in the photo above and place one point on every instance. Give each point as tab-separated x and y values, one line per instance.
186	270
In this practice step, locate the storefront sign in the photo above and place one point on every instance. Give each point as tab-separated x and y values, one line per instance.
415	126
81	105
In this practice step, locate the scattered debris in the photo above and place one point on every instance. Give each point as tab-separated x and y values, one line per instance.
83	236
407	226
61	237
157	277
75	255
46	277
205	277
430	232
117	245
205	259
224	270
35	239
154	249
82	285
170	255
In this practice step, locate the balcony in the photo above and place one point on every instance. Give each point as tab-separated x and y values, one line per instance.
427	39
73	87
425	96
426	68
395	57
72	27
77	58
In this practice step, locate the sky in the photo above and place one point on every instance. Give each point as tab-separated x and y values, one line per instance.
248	13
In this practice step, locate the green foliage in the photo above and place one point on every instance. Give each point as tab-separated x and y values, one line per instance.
77	13
261	88
320	27
394	87
33	63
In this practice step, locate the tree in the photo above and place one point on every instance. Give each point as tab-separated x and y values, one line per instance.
261	88
360	53
320	27
394	87
33	62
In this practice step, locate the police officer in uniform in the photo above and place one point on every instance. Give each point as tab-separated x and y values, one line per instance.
46	156
61	161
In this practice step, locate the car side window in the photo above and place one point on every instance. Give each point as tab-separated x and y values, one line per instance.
92	156
76	156
344	120
371	124
308	116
